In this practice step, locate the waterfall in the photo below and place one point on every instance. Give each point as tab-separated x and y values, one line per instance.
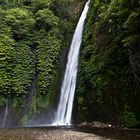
5	115
65	105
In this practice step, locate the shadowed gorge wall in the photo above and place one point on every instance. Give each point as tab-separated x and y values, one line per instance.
108	86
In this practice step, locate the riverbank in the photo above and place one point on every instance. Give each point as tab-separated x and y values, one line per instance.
70	133
46	134
113	133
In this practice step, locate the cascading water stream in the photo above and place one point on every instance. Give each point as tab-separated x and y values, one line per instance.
64	110
5	115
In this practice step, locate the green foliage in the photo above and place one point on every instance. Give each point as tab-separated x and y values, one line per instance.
17	60
43	102
21	22
19	57
2	101
24	119
6	57
23	70
105	77
32	35
132	26
47	64
60	8
46	19
30	43
42	4
129	119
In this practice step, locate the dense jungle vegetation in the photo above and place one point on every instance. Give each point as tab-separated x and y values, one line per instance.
34	35
109	72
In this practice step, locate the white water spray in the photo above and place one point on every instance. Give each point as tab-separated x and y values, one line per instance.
64	110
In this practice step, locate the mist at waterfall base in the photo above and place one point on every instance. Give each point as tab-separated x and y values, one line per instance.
62	115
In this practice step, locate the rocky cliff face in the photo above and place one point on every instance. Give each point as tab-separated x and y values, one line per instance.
108	80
